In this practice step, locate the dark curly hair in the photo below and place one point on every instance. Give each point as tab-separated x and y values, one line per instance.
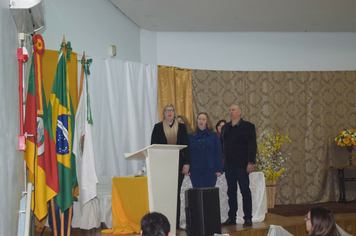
155	224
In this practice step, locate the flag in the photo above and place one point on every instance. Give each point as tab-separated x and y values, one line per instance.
62	118
40	153
83	143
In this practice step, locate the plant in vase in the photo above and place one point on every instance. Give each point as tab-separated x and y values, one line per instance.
270	160
270	156
347	138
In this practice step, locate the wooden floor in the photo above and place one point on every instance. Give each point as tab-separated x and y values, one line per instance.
294	224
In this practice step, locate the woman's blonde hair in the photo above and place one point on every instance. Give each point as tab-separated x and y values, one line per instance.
186	122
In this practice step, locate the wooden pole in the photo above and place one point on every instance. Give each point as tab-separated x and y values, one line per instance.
62	213
71	207
69	220
64	44
54	222
62	224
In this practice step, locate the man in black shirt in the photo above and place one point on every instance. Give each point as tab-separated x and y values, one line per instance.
238	141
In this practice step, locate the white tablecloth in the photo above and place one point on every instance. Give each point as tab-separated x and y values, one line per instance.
258	192
96	210
277	230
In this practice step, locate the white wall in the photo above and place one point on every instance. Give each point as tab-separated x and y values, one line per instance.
91	26
11	160
257	51
148	46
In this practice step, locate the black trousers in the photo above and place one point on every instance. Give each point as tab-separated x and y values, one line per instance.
240	175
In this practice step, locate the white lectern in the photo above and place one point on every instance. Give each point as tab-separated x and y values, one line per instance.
162	178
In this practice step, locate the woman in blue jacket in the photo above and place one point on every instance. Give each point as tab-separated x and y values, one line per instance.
205	153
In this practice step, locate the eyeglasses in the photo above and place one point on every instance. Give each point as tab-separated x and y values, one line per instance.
306	217
169	111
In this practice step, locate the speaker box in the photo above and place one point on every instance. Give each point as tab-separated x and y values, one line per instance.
202	209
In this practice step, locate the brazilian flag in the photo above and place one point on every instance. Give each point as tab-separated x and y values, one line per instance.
63	118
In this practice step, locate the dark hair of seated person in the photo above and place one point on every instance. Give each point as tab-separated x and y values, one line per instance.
323	222
155	224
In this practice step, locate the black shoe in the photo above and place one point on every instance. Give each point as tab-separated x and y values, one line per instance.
229	222
247	223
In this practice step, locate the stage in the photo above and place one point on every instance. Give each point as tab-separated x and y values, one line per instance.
294	224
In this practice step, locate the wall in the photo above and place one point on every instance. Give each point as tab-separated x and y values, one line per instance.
91	26
257	51
148	46
11	160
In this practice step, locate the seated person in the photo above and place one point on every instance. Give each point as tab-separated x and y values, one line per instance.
320	221
155	224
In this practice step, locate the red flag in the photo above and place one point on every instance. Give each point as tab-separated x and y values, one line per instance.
40	154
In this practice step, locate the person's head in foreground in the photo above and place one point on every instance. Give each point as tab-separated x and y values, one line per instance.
155	224
320	222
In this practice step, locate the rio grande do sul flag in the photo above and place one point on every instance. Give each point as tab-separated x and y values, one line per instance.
83	143
40	153
62	118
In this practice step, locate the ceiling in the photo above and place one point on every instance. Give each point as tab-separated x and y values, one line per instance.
241	15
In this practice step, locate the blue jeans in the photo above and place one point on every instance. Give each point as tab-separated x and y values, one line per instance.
240	175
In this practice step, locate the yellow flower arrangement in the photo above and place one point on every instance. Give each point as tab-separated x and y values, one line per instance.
346	137
270	157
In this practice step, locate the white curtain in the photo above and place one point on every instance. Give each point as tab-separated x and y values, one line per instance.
124	105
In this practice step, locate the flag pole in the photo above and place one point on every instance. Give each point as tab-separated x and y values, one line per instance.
71	207
54	222
62	213
62	223
70	216
69	220
81	77
64	44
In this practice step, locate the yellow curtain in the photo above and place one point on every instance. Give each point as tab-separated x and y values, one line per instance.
175	87
49	63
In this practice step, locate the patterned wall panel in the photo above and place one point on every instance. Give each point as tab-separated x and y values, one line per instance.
313	107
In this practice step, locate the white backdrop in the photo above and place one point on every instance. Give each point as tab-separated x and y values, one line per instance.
124	105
